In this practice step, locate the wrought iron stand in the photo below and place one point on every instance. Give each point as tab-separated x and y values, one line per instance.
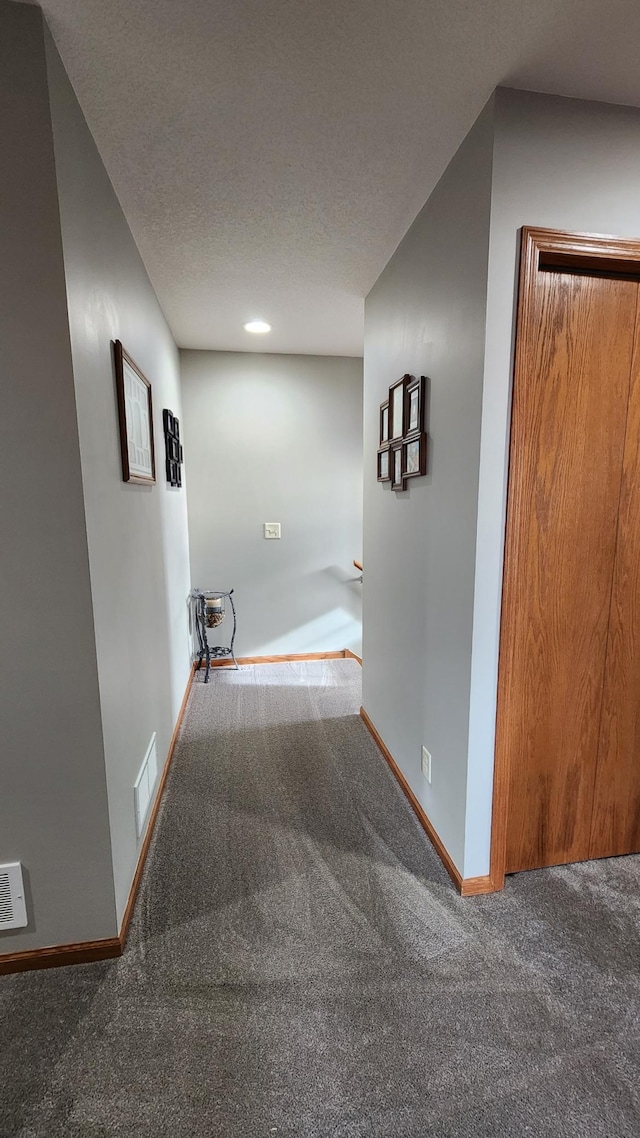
206	651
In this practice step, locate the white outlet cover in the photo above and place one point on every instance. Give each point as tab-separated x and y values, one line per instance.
272	531
426	764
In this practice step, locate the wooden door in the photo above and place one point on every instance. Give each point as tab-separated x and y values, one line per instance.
568	727
615	825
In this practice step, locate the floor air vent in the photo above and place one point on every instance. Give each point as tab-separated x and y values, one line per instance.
13	910
144	786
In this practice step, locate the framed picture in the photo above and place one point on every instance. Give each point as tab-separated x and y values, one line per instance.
135	412
415	406
397	480
402	451
398	407
174	477
384	465
173	448
384	422
414	456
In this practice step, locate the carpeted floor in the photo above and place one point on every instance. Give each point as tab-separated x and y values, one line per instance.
300	965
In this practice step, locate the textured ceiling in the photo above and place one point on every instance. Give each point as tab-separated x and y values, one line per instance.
270	154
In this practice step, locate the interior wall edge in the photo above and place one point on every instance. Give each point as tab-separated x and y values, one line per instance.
54	813
137	535
542	146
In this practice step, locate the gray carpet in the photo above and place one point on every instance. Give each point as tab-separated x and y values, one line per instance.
300	965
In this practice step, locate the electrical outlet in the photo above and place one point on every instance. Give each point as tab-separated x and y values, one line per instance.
426	764
272	531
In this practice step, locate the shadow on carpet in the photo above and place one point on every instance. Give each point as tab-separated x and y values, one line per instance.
299	963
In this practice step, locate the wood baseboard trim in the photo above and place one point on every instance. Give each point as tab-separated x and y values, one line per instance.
227	662
440	849
467	887
59	955
476	886
349	655
144	849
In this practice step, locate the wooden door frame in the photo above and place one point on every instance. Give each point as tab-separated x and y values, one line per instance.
553	249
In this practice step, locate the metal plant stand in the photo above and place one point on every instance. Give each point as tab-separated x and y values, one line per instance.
209	609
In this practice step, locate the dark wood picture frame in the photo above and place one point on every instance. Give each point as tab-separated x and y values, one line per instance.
404	415
173	448
132	471
396	401
419	441
397	478
415	394
384	460
385	424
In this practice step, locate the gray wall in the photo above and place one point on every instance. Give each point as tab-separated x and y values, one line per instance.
426	315
563	164
53	798
137	535
445	306
277	438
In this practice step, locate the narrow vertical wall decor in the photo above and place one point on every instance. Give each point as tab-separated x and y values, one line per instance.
173	449
384	466
402	449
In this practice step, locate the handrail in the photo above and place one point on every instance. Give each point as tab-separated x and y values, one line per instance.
358	565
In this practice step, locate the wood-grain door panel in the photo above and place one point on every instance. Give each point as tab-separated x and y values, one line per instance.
568	436
615	827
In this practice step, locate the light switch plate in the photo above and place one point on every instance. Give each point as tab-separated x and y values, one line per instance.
272	531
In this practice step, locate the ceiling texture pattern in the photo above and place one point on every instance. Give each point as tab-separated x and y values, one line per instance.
269	155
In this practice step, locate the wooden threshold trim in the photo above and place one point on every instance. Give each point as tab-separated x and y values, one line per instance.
85	952
227	662
349	655
467	887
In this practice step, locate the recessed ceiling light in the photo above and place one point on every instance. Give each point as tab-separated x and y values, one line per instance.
257	326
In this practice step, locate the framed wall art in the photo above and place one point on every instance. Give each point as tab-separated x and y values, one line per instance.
414	456
173	448
384	466
398	407
402	437
415	406
135	413
397	479
384	423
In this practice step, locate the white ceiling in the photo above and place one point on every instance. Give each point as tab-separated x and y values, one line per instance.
270	154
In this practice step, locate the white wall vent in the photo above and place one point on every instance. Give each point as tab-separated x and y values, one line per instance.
13	907
144	786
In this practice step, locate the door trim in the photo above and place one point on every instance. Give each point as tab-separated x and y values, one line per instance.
551	249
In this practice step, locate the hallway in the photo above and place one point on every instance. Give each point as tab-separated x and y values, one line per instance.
300	965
